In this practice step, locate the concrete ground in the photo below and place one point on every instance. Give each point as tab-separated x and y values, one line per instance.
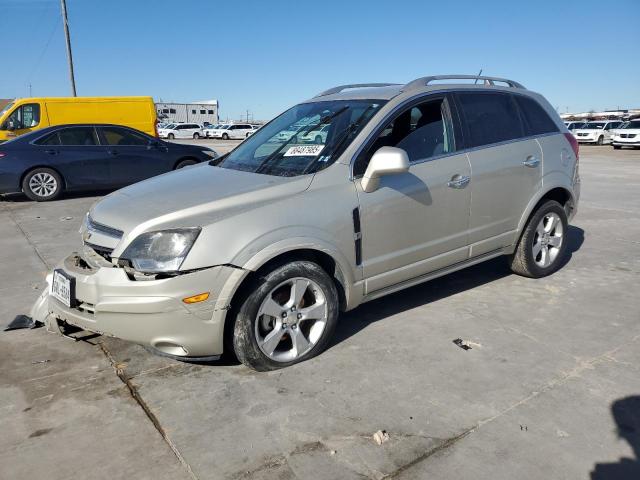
551	362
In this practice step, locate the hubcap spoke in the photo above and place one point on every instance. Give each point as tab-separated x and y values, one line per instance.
272	340
315	311
272	308
555	241
536	249
300	343
298	289
544	259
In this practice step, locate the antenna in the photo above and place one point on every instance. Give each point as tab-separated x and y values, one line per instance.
478	77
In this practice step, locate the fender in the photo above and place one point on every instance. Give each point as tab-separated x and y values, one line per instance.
556	179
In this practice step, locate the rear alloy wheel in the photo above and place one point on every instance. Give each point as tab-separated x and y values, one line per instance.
171	136
543	244
289	317
42	185
185	163
225	136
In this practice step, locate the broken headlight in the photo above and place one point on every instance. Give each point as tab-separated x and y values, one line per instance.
161	251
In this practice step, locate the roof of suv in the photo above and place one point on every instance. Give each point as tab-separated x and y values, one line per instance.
386	91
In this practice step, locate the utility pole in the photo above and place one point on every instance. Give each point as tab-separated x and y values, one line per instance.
65	24
30	91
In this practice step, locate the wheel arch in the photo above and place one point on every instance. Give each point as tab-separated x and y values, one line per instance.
182	159
558	192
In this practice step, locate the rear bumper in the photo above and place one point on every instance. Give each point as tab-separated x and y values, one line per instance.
149	312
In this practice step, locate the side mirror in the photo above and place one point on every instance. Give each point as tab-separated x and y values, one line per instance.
386	161
10	125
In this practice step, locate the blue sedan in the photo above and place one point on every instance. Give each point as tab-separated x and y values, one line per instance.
46	162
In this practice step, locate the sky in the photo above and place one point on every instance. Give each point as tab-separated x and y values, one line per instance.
265	56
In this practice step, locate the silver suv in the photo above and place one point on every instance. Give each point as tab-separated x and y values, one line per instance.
258	251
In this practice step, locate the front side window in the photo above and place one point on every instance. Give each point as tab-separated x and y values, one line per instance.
78	136
490	118
632	124
537	121
123	137
423	131
25	116
286	147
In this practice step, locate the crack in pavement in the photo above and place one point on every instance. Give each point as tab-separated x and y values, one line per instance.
133	391
26	236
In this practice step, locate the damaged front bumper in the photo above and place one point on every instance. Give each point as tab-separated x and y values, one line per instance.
148	312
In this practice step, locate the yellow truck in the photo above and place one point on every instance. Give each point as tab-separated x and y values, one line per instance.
24	115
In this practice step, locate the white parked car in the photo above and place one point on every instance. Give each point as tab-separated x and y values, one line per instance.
627	136
573	125
238	130
598	132
318	135
180	130
207	131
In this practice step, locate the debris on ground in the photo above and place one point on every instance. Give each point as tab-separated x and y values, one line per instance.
466	344
380	437
333	452
62	219
22	321
40	361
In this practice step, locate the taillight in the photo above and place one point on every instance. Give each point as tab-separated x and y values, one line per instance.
2	154
574	144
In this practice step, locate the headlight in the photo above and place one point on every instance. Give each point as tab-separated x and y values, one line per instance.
211	153
162	251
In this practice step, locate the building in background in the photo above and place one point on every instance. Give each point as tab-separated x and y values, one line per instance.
625	114
203	113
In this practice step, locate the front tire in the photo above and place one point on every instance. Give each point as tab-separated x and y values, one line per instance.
288	316
171	136
543	244
617	147
185	163
196	136
42	184
600	140
225	136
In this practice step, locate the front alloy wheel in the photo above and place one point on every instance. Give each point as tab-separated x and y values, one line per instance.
289	316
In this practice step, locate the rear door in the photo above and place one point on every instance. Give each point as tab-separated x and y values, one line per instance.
132	156
506	166
83	162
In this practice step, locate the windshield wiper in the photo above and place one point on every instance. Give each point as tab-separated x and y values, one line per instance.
322	121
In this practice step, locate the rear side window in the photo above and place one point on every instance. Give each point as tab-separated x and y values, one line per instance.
537	121
490	118
51	139
78	136
122	137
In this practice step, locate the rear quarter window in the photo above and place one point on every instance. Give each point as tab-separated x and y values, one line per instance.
536	120
489	118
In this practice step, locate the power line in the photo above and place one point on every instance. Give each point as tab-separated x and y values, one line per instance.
44	50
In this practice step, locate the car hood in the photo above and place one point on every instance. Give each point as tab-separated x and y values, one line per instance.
191	197
588	130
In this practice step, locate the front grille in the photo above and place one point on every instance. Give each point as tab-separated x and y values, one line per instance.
92	225
583	134
628	135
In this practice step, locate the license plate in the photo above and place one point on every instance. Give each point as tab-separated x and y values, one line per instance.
63	288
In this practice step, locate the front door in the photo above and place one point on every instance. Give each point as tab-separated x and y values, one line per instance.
416	222
23	119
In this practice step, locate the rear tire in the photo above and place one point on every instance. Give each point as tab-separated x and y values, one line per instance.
185	163
225	136
600	140
304	302
196	136
42	184
543	244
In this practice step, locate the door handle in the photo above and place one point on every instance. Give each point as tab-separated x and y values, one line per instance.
532	161
458	181
51	152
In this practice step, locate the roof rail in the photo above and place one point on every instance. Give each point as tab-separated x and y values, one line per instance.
340	88
424	81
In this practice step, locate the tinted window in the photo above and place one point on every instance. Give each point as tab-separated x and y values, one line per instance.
536	119
122	136
193	112
423	131
210	112
51	139
84	136
172	110
490	118
202	112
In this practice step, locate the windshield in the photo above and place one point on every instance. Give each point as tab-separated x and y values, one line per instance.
632	124
6	108
304	139
170	126
593	126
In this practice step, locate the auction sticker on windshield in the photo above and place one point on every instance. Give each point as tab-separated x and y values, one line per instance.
304	151
62	287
